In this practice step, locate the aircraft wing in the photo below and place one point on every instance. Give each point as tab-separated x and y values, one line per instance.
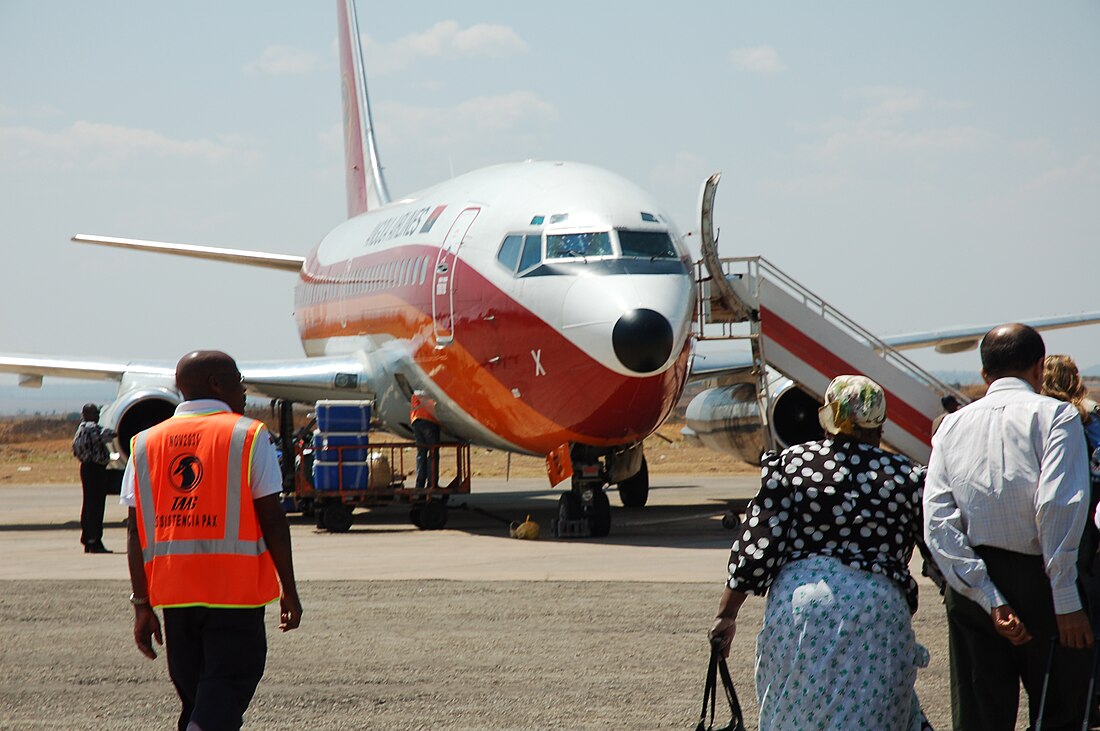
967	338
285	262
716	360
713	361
304	379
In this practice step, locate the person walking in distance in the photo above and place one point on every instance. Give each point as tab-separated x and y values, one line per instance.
90	447
425	428
1005	501
208	543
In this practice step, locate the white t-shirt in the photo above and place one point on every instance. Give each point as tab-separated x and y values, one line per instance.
266	477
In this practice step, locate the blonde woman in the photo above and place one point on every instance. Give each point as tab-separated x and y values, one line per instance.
1062	380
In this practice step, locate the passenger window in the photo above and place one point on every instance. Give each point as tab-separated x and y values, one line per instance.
509	252
532	252
424	269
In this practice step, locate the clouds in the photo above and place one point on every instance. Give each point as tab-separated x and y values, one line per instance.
88	145
891	125
762	60
444	40
478	117
283	61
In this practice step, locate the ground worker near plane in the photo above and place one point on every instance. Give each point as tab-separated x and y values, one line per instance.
1005	501
90	447
208	543
425	428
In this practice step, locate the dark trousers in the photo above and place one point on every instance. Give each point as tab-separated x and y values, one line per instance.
986	669
216	658
93	484
426	436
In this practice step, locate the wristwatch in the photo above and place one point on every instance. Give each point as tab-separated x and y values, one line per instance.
139	601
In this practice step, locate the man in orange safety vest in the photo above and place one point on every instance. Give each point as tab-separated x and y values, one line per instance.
208	543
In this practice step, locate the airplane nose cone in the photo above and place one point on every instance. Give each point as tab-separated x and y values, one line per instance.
642	340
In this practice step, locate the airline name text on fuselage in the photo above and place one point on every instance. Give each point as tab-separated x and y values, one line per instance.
395	227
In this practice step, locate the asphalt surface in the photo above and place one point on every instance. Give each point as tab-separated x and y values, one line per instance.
459	628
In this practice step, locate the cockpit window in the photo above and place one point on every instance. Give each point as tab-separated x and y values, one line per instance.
532	252
578	246
509	252
647	244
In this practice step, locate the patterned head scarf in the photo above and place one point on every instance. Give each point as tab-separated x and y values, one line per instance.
852	402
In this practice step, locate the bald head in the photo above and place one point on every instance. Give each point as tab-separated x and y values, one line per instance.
212	374
1012	350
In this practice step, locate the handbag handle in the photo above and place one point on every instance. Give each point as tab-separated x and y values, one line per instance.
715	669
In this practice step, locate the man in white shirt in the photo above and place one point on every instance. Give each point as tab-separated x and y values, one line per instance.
1005	503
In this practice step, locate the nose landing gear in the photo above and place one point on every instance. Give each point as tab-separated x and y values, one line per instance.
584	511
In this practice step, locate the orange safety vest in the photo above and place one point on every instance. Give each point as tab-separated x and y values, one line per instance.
421	409
200	539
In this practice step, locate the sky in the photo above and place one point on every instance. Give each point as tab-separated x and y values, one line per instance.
920	166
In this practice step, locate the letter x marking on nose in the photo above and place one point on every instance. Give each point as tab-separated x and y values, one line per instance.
537	355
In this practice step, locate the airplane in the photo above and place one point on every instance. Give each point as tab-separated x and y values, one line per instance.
546	306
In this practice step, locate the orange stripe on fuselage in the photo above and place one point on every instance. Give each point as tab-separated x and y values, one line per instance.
578	399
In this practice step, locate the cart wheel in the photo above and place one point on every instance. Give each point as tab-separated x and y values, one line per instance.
319	515
337	518
731	520
414	517
433	515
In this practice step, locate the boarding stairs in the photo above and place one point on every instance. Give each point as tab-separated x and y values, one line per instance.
798	334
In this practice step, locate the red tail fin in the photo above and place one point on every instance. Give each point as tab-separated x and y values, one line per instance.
366	188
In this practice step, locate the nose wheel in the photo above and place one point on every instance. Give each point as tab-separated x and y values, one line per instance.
583	513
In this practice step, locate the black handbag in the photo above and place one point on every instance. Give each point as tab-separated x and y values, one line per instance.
718	668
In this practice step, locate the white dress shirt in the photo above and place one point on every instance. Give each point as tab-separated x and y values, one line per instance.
265	477
1009	471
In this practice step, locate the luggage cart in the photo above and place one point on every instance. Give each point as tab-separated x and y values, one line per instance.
377	481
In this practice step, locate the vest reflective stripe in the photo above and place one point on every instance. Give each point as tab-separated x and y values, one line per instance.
229	543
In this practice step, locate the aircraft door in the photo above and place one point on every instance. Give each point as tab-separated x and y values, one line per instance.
444	279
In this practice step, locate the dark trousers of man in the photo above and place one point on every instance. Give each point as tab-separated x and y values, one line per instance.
93	483
986	669
216	658
426	436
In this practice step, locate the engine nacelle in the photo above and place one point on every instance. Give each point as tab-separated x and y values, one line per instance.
727	419
143	401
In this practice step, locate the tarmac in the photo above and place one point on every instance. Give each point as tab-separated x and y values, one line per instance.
661	568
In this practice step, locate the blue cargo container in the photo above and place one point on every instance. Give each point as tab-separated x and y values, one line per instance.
326	476
338	447
343	416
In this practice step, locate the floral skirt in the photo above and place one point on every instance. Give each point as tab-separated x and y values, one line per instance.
837	652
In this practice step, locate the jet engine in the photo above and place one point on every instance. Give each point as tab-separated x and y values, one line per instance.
143	400
727	419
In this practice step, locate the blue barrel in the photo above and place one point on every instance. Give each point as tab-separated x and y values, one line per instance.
326	476
343	416
340	447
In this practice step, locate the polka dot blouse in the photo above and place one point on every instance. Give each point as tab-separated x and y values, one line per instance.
837	497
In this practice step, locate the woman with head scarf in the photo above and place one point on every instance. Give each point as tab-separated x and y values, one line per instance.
828	538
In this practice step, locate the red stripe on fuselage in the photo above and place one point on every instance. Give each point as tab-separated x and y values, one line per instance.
830	365
577	399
